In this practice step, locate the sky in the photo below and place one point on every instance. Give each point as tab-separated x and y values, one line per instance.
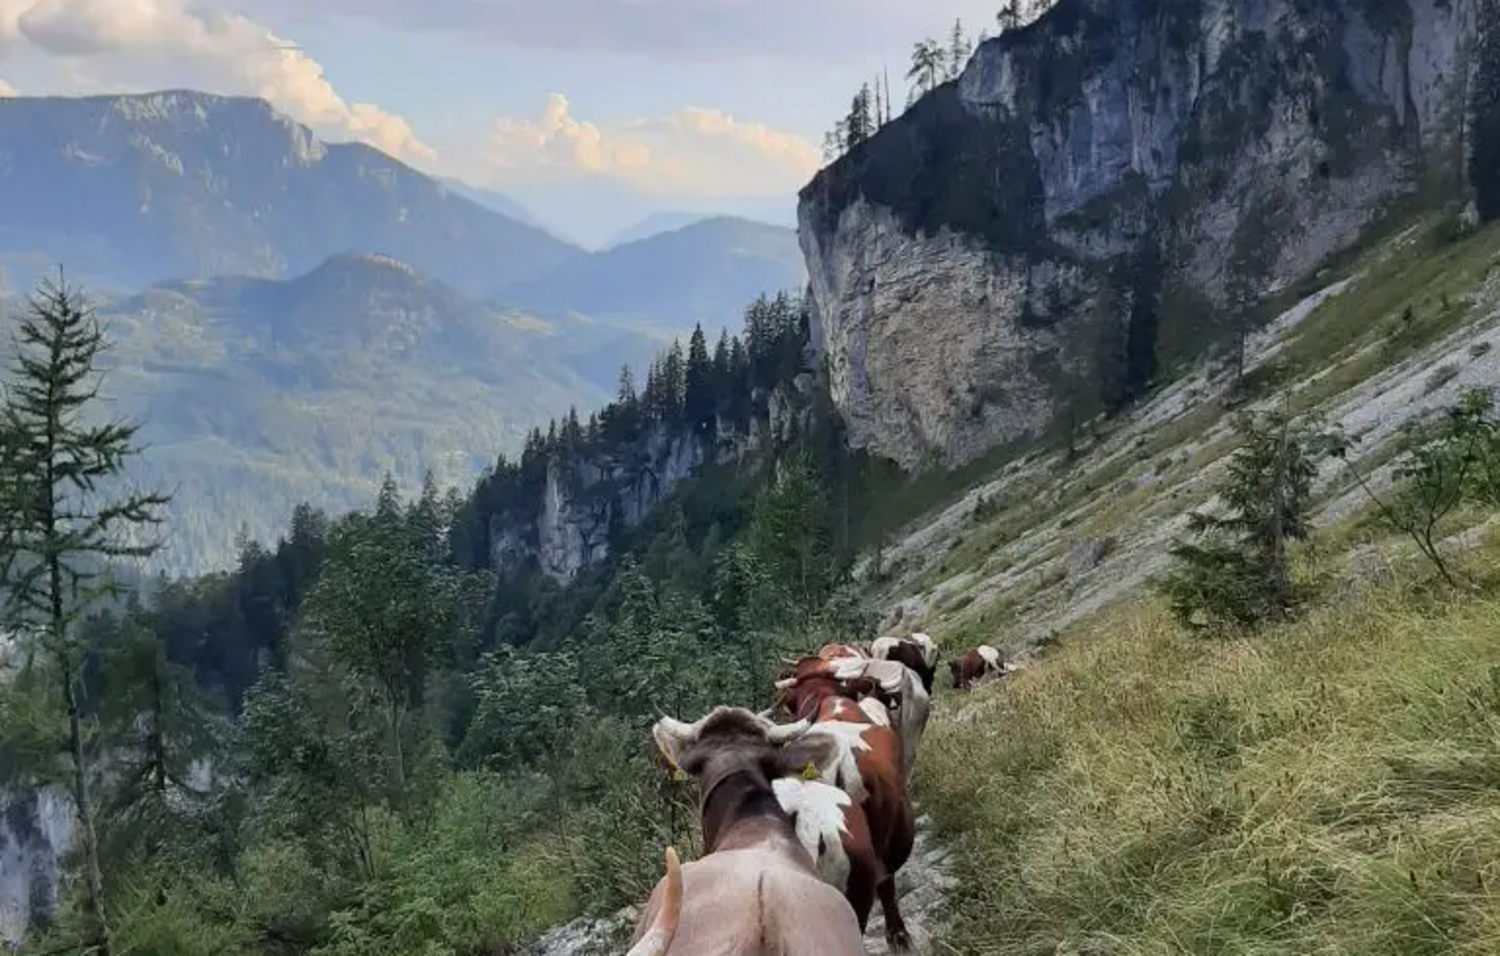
590	112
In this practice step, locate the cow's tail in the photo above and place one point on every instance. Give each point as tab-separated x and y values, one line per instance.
658	938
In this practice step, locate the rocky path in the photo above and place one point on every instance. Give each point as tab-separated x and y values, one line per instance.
922	884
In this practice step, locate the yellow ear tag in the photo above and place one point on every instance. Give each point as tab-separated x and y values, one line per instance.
678	775
810	772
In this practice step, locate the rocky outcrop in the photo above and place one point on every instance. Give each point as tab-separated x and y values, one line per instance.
586	499
36	830
1103	193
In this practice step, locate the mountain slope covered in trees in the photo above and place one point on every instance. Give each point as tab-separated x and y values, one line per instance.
258	394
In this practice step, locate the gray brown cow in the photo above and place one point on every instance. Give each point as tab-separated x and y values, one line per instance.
979	666
756	891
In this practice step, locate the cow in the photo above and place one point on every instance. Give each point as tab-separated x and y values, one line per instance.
756	889
917	652
889	681
832	652
869	765
982	664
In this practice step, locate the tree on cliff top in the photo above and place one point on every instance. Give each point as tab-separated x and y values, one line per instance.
959	50
929	63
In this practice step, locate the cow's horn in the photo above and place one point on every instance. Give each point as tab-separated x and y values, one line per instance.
786	684
658	939
781	733
687	733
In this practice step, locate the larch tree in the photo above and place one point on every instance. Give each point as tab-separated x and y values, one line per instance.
64	524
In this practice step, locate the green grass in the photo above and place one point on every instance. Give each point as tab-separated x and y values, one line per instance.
1332	786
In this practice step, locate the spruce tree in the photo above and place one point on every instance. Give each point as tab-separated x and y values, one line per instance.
959	50
699	391
161	722
860	123
1239	572
63	525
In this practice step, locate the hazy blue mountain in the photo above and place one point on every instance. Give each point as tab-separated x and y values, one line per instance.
667	220
593	211
257	394
706	272
128	190
505	205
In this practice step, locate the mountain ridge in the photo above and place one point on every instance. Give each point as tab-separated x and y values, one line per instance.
136	188
258	394
705	271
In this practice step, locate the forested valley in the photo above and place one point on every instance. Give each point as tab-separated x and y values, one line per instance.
366	738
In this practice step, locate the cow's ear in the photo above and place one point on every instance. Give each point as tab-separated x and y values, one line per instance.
805	757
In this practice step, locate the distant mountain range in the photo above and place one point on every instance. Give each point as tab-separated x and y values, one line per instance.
706	271
668	220
315	314
257	394
128	190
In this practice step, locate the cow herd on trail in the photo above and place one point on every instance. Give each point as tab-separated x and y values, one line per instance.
805	824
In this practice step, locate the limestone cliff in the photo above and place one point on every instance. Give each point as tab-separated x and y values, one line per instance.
1100	193
582	501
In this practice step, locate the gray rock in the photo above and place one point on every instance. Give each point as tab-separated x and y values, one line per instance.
964	271
1088	554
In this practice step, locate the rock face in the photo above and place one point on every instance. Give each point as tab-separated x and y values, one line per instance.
36	830
1100	193
584	501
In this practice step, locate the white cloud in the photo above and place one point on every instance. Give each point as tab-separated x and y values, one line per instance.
7	90
694	151
701	30
223	52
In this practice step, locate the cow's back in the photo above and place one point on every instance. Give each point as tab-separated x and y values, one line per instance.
734	899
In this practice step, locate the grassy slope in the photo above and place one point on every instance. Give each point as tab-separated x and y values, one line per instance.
1330	787
1326	787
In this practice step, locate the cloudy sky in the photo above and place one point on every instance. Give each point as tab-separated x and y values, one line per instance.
656	103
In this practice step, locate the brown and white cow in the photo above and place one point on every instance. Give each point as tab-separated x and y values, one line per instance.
917	652
756	889
831	652
868	768
889	681
981	665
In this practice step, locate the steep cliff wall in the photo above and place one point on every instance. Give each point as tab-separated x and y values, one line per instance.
1103	192
586	499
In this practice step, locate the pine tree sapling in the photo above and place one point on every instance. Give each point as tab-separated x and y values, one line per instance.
64	524
1238	573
